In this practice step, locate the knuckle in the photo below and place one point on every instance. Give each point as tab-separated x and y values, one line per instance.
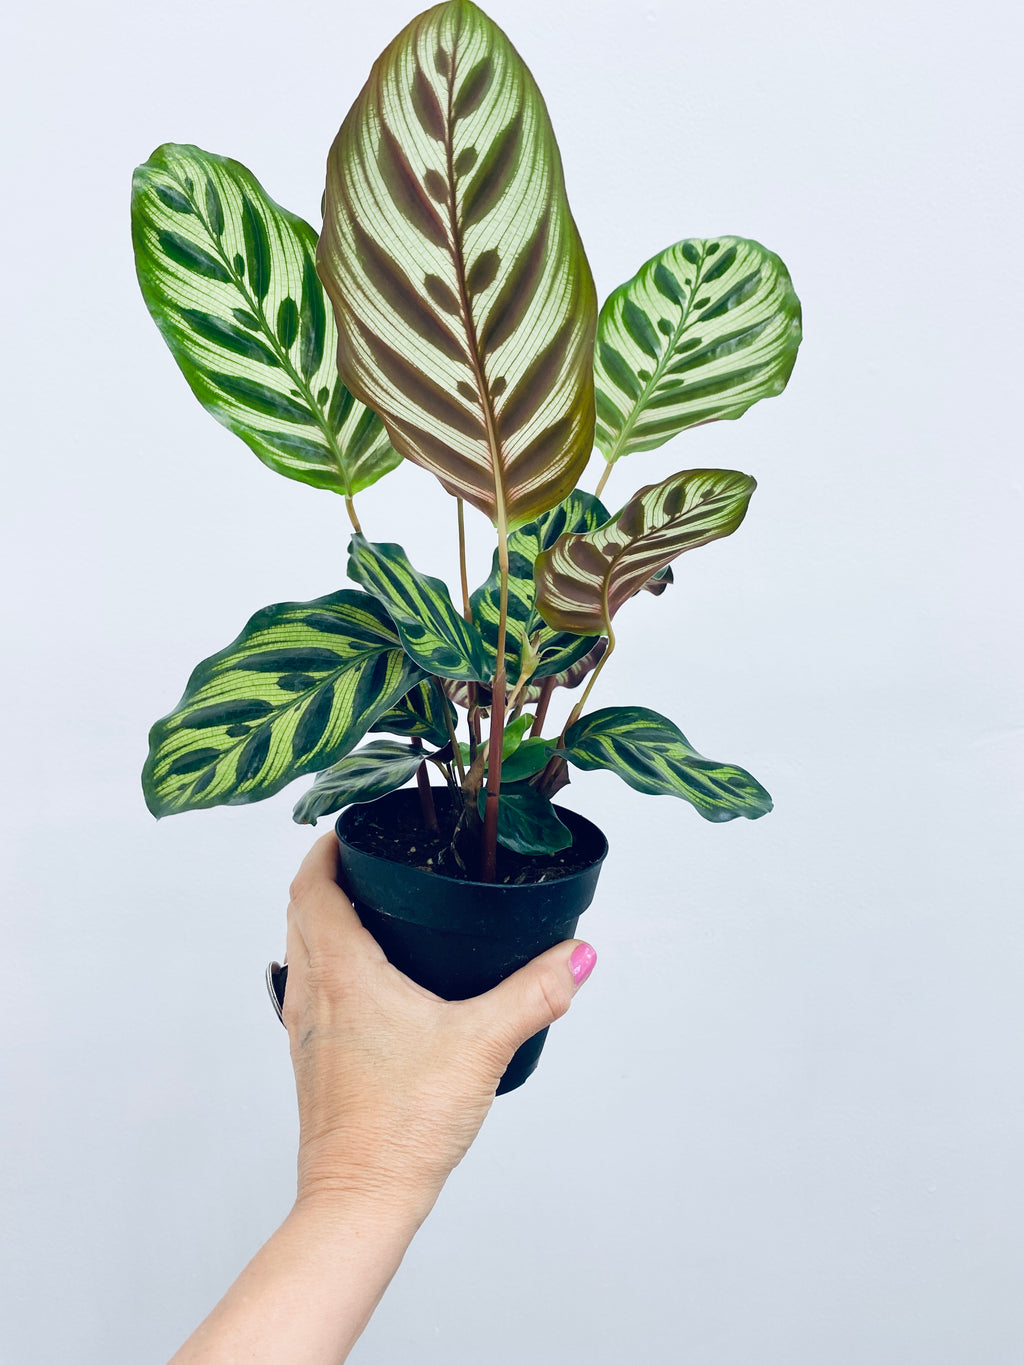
556	1000
299	886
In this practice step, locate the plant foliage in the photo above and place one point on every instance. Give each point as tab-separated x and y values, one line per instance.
447	314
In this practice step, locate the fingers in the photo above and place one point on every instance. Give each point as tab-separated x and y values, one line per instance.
536	995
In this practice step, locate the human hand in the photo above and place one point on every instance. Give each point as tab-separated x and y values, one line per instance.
393	1082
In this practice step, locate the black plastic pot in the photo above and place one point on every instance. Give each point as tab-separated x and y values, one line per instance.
460	938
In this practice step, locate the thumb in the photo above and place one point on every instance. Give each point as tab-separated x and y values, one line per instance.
537	994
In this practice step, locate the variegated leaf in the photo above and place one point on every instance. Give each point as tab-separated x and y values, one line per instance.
419	714
299	687
701	332
465	305
230	279
432	631
377	768
654	756
584	579
527	821
554	650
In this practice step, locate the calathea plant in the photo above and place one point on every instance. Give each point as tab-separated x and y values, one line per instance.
447	315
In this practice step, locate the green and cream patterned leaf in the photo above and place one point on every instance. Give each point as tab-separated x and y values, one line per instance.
230	280
527	821
419	715
554	650
464	301
295	692
377	768
432	631
703	331
655	757
584	579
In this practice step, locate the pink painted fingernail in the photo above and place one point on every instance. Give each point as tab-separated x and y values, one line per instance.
581	964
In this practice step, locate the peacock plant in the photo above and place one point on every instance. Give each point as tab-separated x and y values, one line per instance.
447	315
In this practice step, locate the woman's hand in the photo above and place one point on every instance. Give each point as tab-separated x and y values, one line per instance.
393	1083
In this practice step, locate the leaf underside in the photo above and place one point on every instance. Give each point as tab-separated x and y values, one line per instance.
584	579
292	694
654	756
703	331
464	301
230	280
377	768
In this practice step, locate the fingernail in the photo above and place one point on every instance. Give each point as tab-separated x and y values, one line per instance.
581	964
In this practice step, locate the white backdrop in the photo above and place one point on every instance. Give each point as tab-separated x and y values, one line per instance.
783	1122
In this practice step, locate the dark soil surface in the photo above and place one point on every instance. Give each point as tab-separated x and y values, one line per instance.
401	837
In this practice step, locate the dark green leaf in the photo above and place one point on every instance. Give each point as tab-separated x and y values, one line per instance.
655	757
527	822
372	771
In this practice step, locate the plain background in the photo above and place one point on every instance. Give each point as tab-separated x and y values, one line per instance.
783	1123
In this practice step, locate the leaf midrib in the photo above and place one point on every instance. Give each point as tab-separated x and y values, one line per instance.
659	369
490	422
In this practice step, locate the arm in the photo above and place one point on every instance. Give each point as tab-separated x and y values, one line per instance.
393	1084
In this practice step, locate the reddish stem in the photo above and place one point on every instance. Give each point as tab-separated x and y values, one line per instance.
489	859
546	689
427	807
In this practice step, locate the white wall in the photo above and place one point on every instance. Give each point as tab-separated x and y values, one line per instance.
783	1123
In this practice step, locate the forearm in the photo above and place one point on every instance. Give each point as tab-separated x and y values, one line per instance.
306	1296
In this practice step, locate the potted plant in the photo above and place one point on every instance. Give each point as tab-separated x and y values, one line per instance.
447	315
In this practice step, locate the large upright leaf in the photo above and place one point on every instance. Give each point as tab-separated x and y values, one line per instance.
432	631
654	756
230	279
464	302
584	579
299	687
529	635
377	768
701	332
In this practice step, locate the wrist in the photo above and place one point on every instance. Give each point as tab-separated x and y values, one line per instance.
389	1194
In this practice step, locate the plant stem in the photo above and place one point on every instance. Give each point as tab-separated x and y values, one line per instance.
427	808
577	710
452	737
467	610
350	508
546	689
497	730
603	479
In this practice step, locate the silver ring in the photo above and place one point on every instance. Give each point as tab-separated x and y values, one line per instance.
277	980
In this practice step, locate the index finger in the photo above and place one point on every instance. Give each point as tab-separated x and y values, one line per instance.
319	910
